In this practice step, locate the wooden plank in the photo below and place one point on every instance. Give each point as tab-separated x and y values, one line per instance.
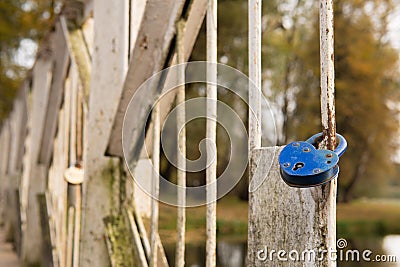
141	199
44	222
136	16
61	65
110	61
70	236
40	96
74	116
13	124
139	246
18	223
142	230
19	117
148	57
77	229
64	153
23	125
4	160
192	27
79	128
141	239
34	175
32	242
55	193
6	132
51	223
79	52
12	225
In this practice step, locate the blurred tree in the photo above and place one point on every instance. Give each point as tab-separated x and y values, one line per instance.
366	77
20	21
287	26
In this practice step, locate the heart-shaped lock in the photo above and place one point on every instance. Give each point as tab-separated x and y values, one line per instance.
302	165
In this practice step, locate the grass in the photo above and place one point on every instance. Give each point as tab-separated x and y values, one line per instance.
360	218
231	221
368	218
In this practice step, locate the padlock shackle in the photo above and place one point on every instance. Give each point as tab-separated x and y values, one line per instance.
341	143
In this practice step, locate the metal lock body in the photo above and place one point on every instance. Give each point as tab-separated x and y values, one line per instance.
303	165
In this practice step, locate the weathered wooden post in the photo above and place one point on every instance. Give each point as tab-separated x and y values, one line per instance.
11	176
290	226
109	65
34	175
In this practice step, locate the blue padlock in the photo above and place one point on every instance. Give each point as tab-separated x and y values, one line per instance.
302	165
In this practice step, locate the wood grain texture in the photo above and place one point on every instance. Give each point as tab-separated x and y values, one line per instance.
283	217
109	66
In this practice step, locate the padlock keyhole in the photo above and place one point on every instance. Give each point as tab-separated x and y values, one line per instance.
298	166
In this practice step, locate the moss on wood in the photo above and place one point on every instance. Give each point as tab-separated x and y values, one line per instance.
119	242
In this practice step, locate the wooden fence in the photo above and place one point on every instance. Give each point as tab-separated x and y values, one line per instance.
66	195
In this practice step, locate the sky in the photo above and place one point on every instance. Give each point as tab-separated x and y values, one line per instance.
394	28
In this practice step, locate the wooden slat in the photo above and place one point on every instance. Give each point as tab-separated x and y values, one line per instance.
192	27
70	236
61	64
3	179
13	122
65	148
74	118
148	57
142	231
137	241
79	52
136	16
18	223
44	222
5	146
77	229
52	229
34	174
23	127
194	20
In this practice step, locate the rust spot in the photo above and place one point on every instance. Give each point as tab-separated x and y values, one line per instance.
331	131
332	57
143	43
